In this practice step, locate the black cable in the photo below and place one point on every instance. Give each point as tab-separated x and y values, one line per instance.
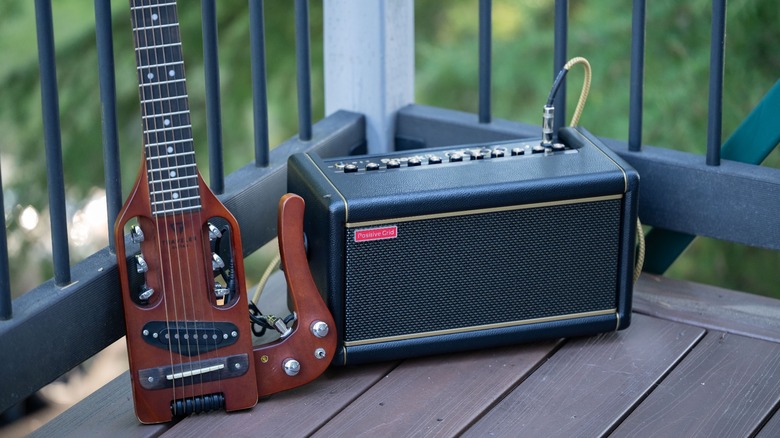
556	85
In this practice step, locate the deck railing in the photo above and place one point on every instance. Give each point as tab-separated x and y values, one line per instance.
66	320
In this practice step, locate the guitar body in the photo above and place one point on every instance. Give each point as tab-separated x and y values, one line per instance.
189	336
186	311
183	307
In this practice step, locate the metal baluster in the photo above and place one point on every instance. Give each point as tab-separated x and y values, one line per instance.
717	51
107	80
485	30
304	70
53	143
6	308
559	59
259	82
213	105
637	76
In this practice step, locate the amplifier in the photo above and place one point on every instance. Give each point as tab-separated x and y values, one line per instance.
437	250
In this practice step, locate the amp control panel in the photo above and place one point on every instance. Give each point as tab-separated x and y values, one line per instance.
449	155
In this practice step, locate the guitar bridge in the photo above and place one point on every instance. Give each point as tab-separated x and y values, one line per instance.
190	373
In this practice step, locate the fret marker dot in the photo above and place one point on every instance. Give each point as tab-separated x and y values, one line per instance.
154	17
170	149
175	196
173	173
150	75
166	122
171	73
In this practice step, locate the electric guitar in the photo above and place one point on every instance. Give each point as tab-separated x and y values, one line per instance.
188	326
186	310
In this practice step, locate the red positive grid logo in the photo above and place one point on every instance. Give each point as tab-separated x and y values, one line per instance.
369	234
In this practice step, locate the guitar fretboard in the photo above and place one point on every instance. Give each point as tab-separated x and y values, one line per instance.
169	152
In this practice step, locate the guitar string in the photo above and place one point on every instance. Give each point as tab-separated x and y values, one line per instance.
195	220
151	51
211	285
178	215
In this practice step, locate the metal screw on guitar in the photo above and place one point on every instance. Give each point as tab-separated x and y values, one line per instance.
146	293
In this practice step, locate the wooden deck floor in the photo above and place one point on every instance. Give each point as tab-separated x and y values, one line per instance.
696	361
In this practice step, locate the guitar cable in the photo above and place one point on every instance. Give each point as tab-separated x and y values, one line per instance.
548	115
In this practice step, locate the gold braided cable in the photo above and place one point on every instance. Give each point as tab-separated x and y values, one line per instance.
585	87
640	256
272	266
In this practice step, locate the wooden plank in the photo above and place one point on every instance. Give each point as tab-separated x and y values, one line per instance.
590	383
106	412
772	428
725	387
438	395
708	306
297	412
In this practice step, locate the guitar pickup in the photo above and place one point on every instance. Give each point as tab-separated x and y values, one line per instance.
190	338
192	373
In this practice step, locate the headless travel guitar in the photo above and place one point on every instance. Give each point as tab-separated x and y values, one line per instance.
185	304
189	344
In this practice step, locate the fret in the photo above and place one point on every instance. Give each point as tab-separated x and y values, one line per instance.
161	83
166	143
151	6
177	210
175	113
164	64
172	169
156	26
161	99
152	131
171	183
173	155
158	46
175	196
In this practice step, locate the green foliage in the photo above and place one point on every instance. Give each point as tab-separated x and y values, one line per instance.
446	76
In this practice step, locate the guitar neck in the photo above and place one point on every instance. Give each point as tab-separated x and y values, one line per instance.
167	132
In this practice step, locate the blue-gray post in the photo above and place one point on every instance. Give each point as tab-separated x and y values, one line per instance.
213	105
53	142
107	80
259	82
637	76
6	308
559	55
304	69
485	30
717	52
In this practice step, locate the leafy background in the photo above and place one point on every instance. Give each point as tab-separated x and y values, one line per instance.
446	76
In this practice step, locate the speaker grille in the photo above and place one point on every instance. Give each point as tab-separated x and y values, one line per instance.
456	272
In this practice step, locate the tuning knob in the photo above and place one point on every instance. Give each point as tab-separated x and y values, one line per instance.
136	234
146	293
140	264
217	262
220	291
214	232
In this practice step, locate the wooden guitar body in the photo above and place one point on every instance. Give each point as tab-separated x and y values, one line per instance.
312	344
189	335
208	346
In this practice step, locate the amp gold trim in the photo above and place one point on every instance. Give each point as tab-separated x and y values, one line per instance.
482	327
484	210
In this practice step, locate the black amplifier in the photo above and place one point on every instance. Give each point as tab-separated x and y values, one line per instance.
437	250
